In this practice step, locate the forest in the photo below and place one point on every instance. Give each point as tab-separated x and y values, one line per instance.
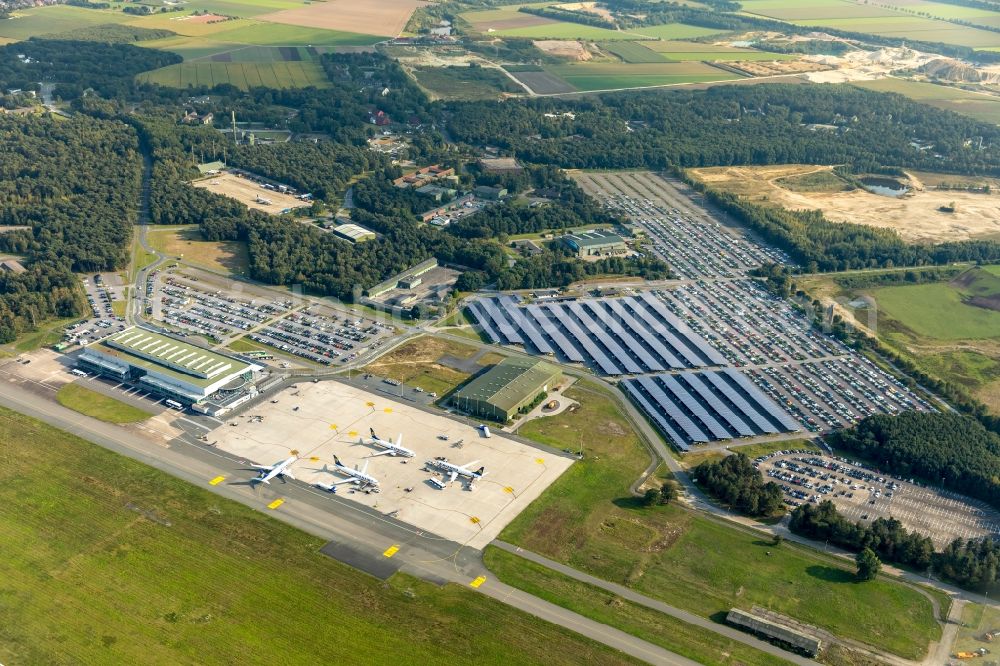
944	448
735	481
74	66
74	185
730	125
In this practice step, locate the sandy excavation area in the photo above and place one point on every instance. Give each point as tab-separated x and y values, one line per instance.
917	216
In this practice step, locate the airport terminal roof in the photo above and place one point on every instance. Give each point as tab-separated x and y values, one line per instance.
508	382
169	356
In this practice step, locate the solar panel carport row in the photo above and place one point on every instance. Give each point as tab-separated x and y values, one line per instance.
543	320
503	325
607	366
665	425
612	329
769	405
604	339
736	423
484	321
509	307
711	354
619	311
662	326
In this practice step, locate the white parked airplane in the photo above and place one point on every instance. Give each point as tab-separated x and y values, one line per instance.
389	448
453	471
356	476
268	472
262	200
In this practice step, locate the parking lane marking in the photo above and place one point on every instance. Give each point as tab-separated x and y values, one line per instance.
217	480
391	550
276	503
477	581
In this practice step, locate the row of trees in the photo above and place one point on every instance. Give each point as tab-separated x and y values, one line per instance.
972	564
735	481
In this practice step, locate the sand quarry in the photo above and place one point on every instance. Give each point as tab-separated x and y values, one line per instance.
917	216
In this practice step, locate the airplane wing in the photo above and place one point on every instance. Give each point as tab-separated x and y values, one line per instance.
467	466
399	439
264	467
452	476
384	452
288	473
364	468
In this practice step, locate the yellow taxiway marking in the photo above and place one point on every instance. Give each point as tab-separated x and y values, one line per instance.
370	404
390	551
333	426
353	433
276	503
473	519
387	410
540	461
508	489
217	480
478	581
313	458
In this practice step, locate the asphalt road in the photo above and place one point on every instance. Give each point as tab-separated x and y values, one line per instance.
367	534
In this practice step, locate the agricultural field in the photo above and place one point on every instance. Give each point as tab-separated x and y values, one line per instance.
188	25
134	566
611	76
679	51
565	30
386	18
587	520
272	34
221	256
503	18
243	75
676	31
465	83
980	106
543	83
918	216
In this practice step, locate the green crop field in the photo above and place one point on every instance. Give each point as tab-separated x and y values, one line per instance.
109	561
243	75
610	76
587	520
981	107
189	48
633	52
680	50
677	31
663	630
98	405
465	83
566	30
276	34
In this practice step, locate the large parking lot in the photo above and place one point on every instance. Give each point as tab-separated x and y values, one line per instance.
667	211
864	494
316	421
191	302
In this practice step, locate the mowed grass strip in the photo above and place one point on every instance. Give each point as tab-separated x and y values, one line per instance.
107	560
650	625
37	21
243	75
588	520
99	406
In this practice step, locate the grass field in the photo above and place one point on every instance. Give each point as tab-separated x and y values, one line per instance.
276	34
565	30
937	311
657	628
676	31
981	107
588	520
223	256
53	19
109	561
48	332
608	76
416	363
99	406
465	83
183	25
678	50
243	75
976	621
815	181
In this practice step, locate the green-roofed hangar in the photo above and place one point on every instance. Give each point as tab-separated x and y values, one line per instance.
167	366
499	393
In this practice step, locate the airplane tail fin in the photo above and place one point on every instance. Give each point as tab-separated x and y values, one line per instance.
336	461
481	471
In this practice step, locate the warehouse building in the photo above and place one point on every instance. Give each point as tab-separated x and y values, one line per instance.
354	233
596	243
502	391
167	366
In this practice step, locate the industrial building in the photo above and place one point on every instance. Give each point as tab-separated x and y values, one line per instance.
354	233
167	366
406	276
499	393
596	243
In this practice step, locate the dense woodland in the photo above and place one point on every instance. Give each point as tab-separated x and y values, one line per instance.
74	185
947	449
735	481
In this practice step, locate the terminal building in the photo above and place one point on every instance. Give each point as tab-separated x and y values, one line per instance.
170	367
502	391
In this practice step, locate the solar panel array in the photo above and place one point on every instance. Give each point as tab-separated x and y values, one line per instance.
616	336
699	407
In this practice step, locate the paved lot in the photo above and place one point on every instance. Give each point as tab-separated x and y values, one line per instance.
250	193
864	494
320	420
